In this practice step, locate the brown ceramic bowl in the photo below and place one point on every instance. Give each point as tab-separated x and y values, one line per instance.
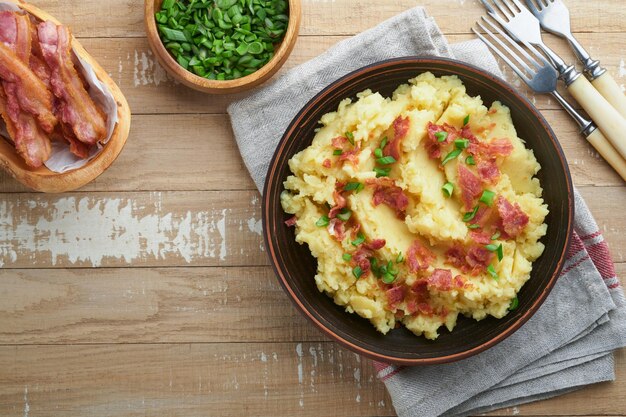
296	268
227	86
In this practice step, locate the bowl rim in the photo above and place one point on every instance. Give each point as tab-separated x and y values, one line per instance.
195	81
271	250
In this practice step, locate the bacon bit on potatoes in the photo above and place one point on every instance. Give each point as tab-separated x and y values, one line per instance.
400	130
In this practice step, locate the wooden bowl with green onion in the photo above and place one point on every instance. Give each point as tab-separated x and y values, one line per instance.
222	46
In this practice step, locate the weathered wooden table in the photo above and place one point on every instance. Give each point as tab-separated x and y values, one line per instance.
148	291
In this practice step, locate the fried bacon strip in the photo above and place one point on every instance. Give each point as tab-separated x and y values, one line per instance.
76	108
31	93
30	141
16	34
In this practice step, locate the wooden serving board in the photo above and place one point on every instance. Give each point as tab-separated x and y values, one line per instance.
43	179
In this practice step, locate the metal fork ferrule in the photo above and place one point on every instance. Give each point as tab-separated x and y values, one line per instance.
586	126
592	69
568	74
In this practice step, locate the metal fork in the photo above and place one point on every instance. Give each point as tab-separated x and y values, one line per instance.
541	77
524	27
554	17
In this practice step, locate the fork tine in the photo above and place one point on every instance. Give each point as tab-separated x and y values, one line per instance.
492	12
503	9
519	5
513	44
511	7
491	46
537	54
521	50
533	7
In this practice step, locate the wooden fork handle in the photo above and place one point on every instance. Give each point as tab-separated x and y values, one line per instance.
612	124
609	89
608	152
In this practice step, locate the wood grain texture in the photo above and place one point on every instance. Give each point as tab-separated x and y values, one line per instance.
199	228
224	379
187	379
133	229
197	153
150	305
149	89
123	18
182	316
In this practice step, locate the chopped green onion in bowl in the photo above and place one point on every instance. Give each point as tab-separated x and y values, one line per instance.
222	39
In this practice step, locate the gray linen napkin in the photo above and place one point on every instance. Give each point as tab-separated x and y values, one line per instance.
566	345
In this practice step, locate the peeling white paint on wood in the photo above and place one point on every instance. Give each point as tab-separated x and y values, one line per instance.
147	71
89	230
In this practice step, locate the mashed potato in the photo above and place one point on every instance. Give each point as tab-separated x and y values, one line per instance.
418	207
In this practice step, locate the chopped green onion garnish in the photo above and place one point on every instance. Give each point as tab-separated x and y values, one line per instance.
222	39
461	143
337	152
378	153
344	215
470	160
500	252
173	34
495	235
449	157
323	221
360	238
466	120
400	258
447	189
441	136
473	226
346	257
514	304
492	247
350	137
386	160
470	215
487	197
374	267
492	272
354	186
357	272
388	278
383	143
382	172
167	4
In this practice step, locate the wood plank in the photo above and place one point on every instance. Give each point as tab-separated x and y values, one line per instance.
151	305
120	18
200	228
131	229
198	153
148	305
237	379
172	152
150	90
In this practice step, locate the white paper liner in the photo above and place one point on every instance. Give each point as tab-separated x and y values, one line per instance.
61	159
